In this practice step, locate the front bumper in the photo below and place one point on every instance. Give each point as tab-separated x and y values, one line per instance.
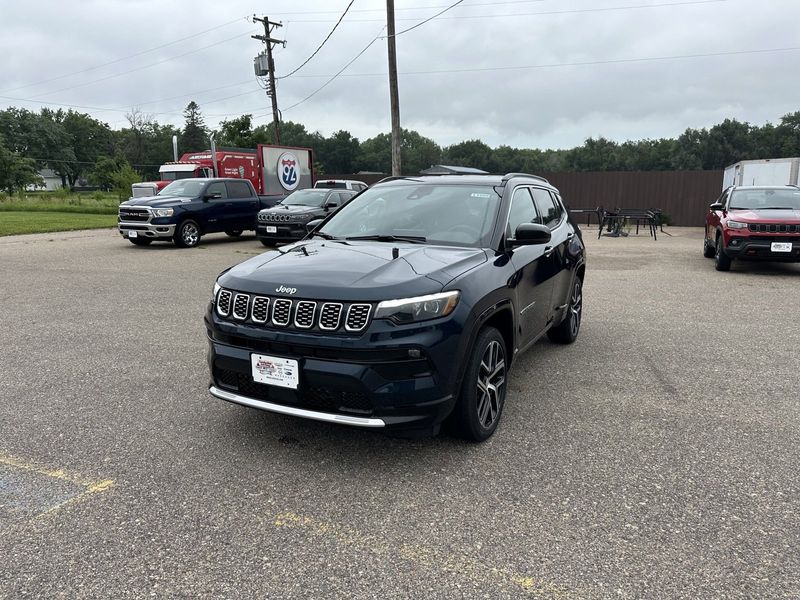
387	377
147	230
285	232
759	248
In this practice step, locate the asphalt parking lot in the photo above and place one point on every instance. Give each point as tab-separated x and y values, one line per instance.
657	457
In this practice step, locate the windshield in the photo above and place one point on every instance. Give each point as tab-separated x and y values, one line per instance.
306	198
173	175
761	199
461	215
183	187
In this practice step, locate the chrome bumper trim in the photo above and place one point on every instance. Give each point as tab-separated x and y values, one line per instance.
150	232
295	412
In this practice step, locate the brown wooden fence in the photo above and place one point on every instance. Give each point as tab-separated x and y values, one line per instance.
683	196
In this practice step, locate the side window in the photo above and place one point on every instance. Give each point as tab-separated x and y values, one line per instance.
344	197
548	207
522	211
238	189
333	200
218	187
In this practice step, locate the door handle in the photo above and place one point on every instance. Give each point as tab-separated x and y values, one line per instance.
570	235
548	250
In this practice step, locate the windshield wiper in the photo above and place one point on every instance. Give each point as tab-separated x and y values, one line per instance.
413	239
776	208
324	235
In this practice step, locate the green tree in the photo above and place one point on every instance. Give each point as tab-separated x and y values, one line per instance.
16	172
471	153
338	153
236	132
194	136
123	179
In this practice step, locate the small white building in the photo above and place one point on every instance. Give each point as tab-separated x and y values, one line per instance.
51	181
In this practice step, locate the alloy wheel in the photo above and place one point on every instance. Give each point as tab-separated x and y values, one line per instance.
491	379
575	307
189	234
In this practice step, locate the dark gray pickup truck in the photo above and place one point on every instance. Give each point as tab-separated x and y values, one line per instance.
187	209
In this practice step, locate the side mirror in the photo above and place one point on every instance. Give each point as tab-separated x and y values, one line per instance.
313	224
214	196
717	206
530	234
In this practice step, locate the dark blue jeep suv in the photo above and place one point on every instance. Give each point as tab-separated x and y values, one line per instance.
404	309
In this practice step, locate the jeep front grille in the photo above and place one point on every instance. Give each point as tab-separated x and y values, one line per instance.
240	305
260	309
357	317
774	228
304	314
330	316
281	312
308	315
224	303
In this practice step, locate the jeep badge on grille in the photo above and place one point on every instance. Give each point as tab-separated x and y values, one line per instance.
285	290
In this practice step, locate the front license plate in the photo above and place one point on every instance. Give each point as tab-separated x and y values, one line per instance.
781	247
272	229
281	372
133	234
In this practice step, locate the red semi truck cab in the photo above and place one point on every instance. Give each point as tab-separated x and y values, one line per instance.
273	170
231	162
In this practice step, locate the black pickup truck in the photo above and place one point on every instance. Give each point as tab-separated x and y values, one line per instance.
187	209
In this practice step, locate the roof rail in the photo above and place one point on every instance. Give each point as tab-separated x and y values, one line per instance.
508	176
396	177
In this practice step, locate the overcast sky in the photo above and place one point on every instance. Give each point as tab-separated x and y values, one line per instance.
457	73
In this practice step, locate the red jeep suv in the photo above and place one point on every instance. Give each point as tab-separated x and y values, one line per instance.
754	223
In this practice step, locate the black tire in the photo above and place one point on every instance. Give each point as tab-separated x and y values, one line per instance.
708	249
483	391
187	235
267	243
140	241
567	331
234	233
722	262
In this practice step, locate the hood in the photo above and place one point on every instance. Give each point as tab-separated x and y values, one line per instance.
765	216
157	201
282	209
351	271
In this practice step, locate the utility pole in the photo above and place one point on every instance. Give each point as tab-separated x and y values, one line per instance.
270	67
393	93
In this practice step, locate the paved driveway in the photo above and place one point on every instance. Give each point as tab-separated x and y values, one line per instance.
657	457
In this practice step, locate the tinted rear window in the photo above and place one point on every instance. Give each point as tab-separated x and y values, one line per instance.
238	189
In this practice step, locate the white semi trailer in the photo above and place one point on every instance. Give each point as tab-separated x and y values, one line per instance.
770	171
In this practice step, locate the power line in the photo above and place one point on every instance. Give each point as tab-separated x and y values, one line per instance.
421	23
323	86
122	58
533	14
313	54
366	10
121	73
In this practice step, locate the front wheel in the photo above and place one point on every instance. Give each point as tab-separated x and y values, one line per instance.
483	390
722	262
567	331
188	234
233	233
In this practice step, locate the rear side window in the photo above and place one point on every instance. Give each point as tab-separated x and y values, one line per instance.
218	187
549	208
238	189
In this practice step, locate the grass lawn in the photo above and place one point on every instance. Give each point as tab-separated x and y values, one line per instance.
101	203
16	222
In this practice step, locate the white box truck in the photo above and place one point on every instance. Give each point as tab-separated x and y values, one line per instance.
769	171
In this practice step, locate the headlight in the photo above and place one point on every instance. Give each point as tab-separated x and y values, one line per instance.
737	225
421	308
162	212
216	291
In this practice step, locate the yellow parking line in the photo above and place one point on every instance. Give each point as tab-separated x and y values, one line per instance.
457	563
90	486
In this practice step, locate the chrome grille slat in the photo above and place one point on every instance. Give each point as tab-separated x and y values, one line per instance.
774	228
260	310
223	303
330	315
241	303
357	317
281	311
304	314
